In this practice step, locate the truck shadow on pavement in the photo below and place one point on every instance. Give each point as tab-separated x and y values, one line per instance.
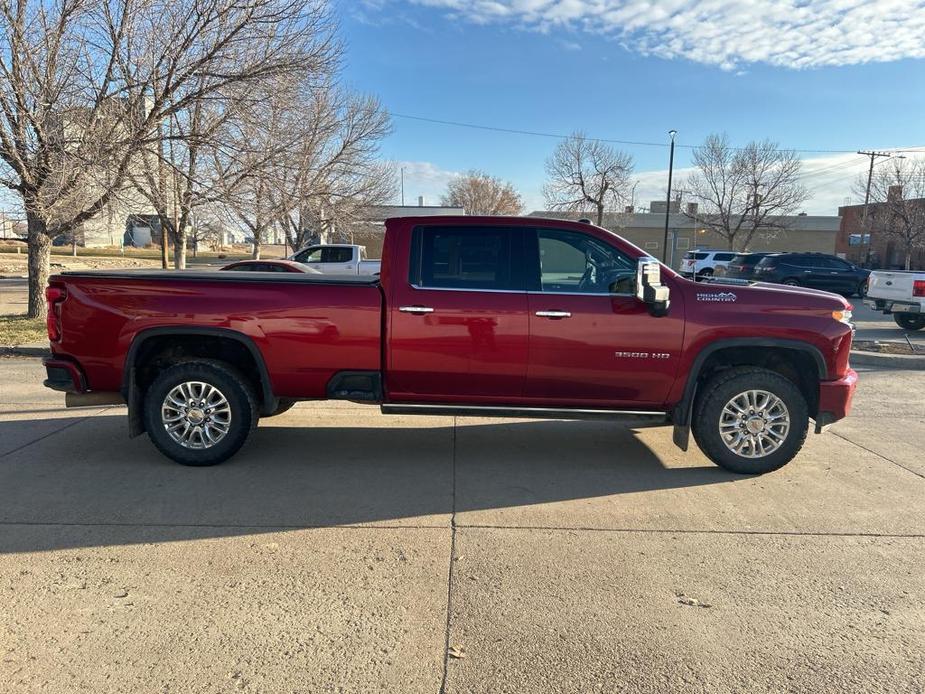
87	484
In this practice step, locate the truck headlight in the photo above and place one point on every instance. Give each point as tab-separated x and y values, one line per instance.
843	316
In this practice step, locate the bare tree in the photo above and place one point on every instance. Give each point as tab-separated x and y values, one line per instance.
899	187
85	84
741	192
479	193
586	175
335	174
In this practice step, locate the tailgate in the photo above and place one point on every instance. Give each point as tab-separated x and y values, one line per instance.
893	286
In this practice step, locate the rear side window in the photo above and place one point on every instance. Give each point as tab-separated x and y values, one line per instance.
336	255
691	255
464	258
723	257
798	261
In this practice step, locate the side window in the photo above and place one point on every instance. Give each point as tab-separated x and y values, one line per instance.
464	258
336	254
797	261
572	262
723	257
835	264
310	255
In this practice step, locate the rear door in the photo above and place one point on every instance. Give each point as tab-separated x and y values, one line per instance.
458	327
592	343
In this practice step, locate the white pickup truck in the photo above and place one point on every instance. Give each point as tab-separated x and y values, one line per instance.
337	259
901	294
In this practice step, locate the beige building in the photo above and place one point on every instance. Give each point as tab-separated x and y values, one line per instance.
804	233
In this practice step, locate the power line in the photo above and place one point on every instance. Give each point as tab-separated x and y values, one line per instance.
633	143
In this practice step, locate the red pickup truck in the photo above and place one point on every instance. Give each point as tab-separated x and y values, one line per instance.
487	316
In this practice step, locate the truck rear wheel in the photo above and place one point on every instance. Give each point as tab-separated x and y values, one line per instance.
750	420
908	321
199	412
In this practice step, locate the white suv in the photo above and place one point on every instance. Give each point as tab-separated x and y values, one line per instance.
704	263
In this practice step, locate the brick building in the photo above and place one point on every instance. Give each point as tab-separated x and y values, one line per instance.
876	249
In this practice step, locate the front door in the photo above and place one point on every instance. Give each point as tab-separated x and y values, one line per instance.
592	343
458	326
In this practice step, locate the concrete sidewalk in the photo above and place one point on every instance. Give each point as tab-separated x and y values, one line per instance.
346	551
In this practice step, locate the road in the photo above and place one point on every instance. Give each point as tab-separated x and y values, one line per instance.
344	551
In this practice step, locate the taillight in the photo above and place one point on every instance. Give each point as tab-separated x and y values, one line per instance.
918	288
53	298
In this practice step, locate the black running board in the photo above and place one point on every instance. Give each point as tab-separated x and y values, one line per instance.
639	418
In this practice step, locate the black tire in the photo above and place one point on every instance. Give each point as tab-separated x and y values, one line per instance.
236	390
722	388
861	291
704	274
285	404
790	282
909	322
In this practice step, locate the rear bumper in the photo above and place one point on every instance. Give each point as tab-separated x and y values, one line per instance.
65	376
835	399
889	306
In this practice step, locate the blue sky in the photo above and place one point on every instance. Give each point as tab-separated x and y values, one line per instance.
839	75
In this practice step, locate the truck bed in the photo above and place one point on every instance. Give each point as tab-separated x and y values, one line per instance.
306	327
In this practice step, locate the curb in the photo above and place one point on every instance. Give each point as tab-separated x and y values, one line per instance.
888	361
26	351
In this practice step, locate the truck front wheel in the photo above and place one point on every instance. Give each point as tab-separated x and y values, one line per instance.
907	321
750	420
199	412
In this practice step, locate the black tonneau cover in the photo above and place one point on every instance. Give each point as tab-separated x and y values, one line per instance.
217	276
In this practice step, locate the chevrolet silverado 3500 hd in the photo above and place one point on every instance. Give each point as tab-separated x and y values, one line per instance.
487	316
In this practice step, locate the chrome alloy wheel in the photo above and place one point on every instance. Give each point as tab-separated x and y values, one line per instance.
754	423
196	415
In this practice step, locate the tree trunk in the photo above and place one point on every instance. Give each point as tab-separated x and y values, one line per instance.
39	260
600	215
908	263
255	253
165	257
179	250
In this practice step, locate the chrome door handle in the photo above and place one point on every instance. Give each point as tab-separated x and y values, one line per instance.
415	309
554	314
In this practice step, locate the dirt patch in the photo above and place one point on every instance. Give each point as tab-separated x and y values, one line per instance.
19	330
888	347
13	265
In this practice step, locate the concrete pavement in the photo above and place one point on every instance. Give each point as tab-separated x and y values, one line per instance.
346	551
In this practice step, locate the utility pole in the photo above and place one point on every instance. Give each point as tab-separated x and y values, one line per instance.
870	175
403	186
671	134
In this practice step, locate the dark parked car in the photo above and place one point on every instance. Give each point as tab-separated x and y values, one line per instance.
742	265
815	270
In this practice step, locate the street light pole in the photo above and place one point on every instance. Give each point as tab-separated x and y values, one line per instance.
870	176
671	133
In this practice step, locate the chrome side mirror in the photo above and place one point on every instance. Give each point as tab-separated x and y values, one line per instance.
649	287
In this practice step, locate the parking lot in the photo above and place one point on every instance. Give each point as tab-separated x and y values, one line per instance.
346	551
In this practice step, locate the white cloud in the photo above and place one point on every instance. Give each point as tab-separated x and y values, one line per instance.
424	178
726	33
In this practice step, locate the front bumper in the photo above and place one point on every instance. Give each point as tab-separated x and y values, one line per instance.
835	399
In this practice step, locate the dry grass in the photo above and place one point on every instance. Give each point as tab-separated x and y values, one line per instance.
19	330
